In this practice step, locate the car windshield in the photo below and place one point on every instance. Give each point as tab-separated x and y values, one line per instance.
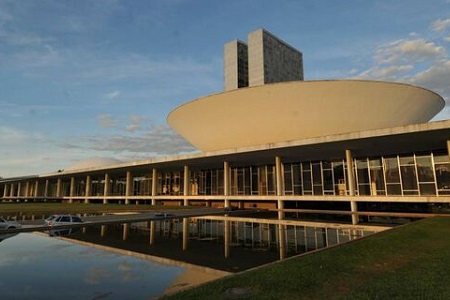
51	218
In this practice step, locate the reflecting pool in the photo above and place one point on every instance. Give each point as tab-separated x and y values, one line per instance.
147	259
35	266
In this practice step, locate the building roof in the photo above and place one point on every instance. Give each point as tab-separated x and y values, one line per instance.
414	138
290	111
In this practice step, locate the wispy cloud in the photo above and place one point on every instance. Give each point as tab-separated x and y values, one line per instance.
414	60
157	141
135	123
112	95
440	25
107	121
385	72
408	50
436	77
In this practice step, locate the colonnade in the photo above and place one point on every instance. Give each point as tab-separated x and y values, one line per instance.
36	188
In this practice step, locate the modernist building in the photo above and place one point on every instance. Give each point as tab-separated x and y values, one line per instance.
280	145
265	59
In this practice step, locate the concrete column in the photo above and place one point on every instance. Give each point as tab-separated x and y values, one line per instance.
6	190
280	186
36	189
448	149
226	238
88	188
72	189
58	187
279	176
19	187
226	182
154	185
27	189
351	185
31	191
186	185
129	187
106	188
47	184
11	190
280	207
185	233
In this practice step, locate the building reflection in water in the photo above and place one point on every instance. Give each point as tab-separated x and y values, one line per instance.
224	243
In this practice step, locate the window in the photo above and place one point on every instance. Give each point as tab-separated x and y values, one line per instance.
392	175
442	171
425	174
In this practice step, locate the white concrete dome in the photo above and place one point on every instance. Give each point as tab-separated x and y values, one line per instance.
302	109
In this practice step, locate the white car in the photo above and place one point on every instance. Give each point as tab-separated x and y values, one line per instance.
55	220
9	224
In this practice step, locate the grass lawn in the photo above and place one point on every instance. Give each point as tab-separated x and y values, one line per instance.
408	262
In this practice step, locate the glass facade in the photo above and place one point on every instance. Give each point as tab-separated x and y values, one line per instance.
399	175
424	174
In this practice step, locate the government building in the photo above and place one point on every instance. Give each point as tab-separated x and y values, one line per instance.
274	140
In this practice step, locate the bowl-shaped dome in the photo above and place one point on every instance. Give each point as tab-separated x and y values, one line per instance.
302	109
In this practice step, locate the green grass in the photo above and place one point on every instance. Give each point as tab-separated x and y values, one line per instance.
408	262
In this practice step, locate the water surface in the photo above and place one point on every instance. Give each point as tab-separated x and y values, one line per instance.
34	266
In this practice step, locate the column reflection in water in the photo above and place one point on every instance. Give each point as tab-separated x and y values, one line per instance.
226	238
277	239
102	230
152	232
282	240
185	233
126	231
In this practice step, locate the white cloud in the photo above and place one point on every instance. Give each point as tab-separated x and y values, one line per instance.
112	95
135	123
440	25
21	38
106	121
157	141
408	50
436	77
385	73
38	58
10	135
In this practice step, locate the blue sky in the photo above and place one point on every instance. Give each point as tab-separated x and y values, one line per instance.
83	79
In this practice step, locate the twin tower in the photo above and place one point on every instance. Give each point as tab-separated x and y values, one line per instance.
265	59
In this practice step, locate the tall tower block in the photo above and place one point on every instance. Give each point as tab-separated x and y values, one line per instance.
271	60
235	65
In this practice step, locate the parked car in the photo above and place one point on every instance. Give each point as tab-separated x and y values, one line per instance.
9	224
163	215
55	220
63	232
